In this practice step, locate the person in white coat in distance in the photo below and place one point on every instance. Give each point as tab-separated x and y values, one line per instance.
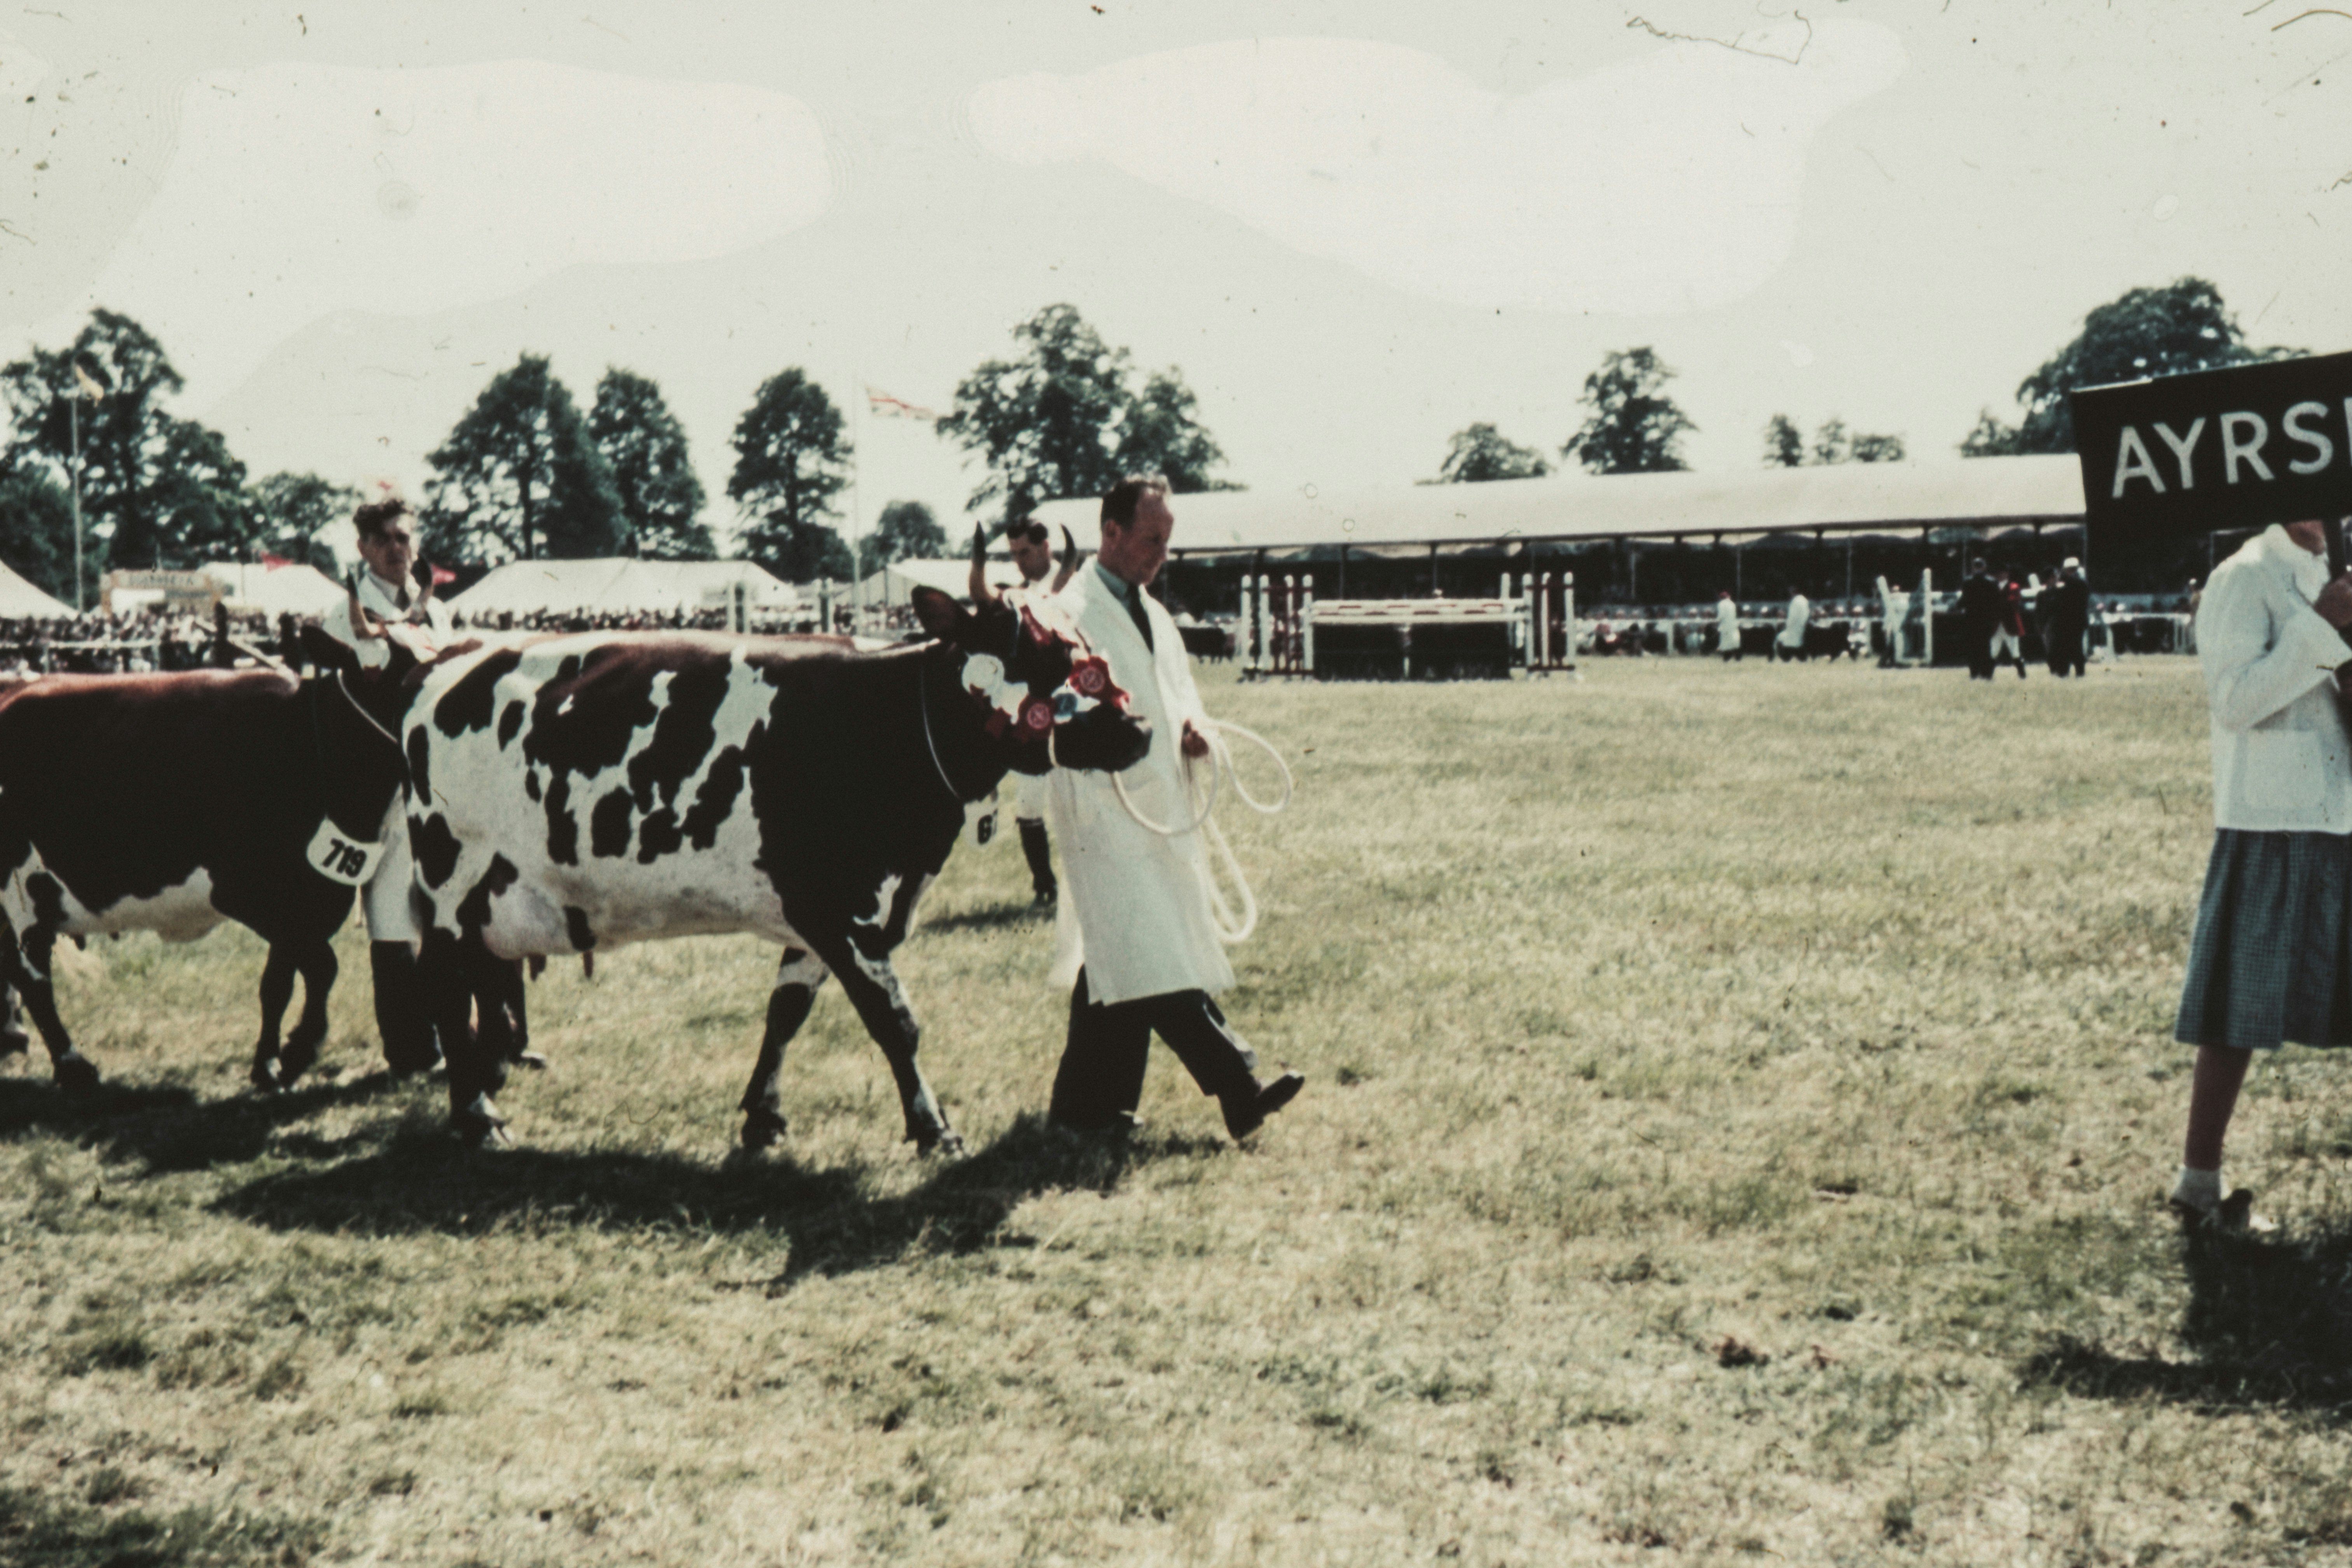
1727	625
1151	961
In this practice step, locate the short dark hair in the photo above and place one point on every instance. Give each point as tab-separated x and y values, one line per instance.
1028	528
1119	506
378	515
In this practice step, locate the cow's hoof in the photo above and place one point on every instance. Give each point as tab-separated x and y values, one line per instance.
947	1142
264	1081
762	1130
76	1075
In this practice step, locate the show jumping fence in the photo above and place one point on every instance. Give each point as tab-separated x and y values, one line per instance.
1529	624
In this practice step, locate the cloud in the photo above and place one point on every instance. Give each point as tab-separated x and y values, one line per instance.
297	191
1667	182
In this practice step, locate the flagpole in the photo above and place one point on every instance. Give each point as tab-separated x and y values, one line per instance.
73	409
856	503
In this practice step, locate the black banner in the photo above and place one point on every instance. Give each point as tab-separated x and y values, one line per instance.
2235	448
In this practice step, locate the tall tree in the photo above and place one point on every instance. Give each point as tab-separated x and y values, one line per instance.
1634	427
1878	449
906	531
1161	434
1833	443
155	488
1062	419
1784	444
790	459
645	445
2181	327
518	477
1477	453
293	513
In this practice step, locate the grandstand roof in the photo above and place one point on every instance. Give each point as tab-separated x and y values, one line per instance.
20	600
1972	491
620	585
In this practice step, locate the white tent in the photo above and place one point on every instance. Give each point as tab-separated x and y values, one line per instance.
20	600
1986	491
24	603
294	588
622	586
894	584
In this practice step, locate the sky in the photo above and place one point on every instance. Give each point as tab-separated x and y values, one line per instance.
1356	228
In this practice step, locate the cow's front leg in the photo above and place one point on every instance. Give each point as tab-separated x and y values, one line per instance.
445	968
859	952
28	959
318	967
276	991
797	978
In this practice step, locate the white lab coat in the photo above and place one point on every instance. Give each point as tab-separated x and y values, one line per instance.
1135	904
2280	759
1727	626
1801	610
391	913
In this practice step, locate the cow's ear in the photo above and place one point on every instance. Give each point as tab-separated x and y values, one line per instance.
323	651
940	614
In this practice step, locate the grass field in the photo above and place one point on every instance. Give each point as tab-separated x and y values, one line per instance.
1738	1102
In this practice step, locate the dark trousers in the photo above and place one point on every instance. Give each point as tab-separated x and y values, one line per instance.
1101	1075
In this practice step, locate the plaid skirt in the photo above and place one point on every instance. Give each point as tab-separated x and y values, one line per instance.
2272	959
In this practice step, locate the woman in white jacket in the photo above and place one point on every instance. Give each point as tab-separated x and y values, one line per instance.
2272	959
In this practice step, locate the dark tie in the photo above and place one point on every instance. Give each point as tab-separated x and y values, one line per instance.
1142	616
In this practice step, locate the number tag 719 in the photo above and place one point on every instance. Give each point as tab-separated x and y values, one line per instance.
341	858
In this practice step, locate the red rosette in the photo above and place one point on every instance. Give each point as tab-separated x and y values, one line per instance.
1090	676
1037	717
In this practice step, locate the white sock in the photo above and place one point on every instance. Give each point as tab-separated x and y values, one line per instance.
2198	1189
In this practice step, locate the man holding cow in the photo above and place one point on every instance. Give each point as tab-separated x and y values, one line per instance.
391	601
1149	958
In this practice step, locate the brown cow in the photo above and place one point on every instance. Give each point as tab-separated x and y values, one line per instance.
168	802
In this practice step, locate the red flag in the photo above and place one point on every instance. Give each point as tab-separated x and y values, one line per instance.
273	561
443	575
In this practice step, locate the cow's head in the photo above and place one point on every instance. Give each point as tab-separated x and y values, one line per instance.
1046	699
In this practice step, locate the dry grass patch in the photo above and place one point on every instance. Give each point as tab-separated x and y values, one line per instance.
1738	1102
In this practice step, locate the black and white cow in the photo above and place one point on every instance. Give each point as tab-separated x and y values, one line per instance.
588	790
170	802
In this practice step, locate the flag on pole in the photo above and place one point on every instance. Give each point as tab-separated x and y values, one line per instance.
882	405
89	388
272	562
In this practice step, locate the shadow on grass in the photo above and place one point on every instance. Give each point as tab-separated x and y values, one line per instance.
61	1532
2269	1321
171	1127
994	917
418	1181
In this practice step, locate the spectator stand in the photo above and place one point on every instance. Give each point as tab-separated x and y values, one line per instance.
1528	626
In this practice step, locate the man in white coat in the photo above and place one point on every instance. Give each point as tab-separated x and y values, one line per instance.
388	602
1790	642
1727	626
1151	958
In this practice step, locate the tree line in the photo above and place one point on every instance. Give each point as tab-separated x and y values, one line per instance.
525	474
1633	425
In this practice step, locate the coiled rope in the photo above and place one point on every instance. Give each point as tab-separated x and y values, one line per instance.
1202	802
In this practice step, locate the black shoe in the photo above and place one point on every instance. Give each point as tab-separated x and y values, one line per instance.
1244	1117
